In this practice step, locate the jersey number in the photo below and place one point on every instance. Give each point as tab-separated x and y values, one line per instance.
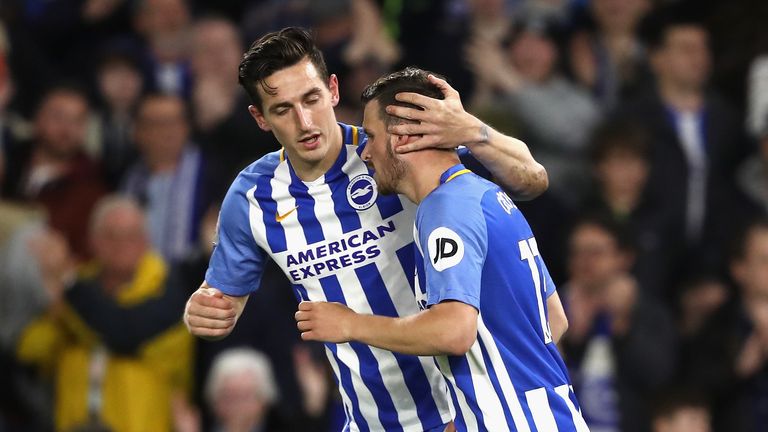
529	250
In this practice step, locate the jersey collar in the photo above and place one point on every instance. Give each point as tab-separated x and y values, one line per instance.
453	172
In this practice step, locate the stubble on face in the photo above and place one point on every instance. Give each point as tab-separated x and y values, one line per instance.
390	173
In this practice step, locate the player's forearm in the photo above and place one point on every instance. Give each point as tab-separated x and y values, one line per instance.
437	331
410	335
509	160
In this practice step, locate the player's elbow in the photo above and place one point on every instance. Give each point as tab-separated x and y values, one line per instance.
458	343
458	339
537	182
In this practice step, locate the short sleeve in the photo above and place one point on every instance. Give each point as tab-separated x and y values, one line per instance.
452	235
237	263
548	282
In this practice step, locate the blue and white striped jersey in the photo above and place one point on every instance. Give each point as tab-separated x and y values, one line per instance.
474	246
336	240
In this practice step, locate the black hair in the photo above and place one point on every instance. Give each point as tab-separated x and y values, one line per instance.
624	135
671	401
64	87
276	51
655	27
410	79
620	234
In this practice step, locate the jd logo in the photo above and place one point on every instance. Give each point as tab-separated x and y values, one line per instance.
446	249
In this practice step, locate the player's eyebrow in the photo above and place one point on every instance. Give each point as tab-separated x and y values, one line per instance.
286	104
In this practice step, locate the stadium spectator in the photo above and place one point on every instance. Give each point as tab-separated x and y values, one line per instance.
172	179
620	344
165	26
120	84
242	392
746	403
222	125
92	384
521	83
620	157
751	197
54	171
681	411
606	55
697	139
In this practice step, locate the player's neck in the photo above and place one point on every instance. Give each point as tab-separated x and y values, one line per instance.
309	172
424	173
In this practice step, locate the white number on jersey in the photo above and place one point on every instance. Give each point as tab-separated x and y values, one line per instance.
529	250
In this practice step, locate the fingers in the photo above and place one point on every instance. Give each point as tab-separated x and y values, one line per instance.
406	113
309	336
305	305
425	102
304	325
412	129
200	322
425	141
201	298
209	314
443	85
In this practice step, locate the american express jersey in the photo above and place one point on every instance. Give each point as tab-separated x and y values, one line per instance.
474	246
338	240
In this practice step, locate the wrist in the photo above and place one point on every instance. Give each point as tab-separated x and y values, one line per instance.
354	326
479	133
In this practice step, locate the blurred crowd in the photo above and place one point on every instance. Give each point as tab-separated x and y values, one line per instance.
122	124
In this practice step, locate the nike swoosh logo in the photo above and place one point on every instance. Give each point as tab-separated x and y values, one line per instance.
279	217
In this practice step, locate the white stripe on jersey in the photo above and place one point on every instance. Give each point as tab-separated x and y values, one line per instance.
390	371
540	410
395	282
321	193
344	396
466	412
440	393
364	396
294	237
487	399
564	392
256	219
390	270
510	395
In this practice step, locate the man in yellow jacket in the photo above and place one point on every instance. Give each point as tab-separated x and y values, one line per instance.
126	392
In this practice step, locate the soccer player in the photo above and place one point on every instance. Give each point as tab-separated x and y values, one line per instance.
485	309
314	208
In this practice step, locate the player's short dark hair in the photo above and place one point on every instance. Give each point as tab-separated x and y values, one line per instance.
619	135
410	79
276	51
655	28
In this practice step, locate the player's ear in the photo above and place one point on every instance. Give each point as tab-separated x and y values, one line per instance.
259	117
333	86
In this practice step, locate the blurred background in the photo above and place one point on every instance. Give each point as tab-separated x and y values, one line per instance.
122	125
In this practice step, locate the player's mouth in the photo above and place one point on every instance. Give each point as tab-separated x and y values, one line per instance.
310	142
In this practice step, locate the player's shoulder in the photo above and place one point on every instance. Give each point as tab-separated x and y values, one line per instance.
264	166
458	199
466	189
